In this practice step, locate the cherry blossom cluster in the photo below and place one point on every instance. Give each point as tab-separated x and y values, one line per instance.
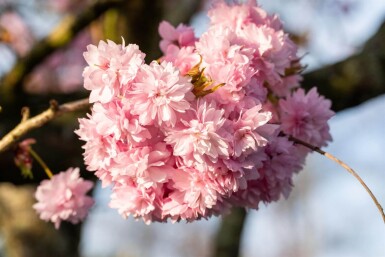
208	125
63	197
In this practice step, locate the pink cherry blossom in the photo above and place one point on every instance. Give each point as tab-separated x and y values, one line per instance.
180	36
113	120
200	136
158	93
194	193
246	136
63	197
130	199
99	150
207	126
146	166
214	45
184	58
236	15
111	67
281	160
305	116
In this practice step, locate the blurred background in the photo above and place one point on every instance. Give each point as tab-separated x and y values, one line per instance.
328	213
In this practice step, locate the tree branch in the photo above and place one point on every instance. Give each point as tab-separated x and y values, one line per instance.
39	120
354	80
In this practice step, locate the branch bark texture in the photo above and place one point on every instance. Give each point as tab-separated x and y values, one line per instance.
354	80
39	120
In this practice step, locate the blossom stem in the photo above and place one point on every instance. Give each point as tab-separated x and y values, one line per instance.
346	167
41	162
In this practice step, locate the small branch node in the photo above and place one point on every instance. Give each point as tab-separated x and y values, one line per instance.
53	105
24	114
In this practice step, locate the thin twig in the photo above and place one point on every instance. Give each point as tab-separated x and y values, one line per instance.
39	120
41	162
24	114
345	166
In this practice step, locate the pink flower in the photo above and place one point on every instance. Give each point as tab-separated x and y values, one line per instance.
99	150
200	136
146	166
104	176
158	93
179	36
306	116
250	26
246	136
281	160
234	16
112	120
275	54
184	58
214	45
171	155
130	199
227	62
107	132
111	67
237	15
194	193
63	197
234	76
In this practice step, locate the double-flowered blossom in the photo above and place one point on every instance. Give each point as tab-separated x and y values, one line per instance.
111	67
180	36
63	197
200	136
158	93
305	116
205	127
